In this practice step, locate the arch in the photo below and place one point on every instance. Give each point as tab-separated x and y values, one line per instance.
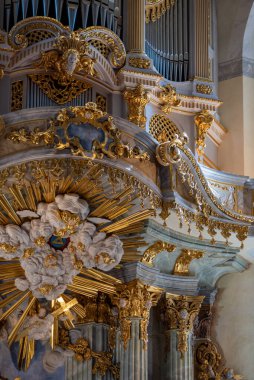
232	18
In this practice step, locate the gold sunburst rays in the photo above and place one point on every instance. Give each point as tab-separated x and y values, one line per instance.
12	336
26	352
100	276
125	223
9	271
23	297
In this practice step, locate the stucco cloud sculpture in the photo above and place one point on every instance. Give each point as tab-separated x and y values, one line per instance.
55	243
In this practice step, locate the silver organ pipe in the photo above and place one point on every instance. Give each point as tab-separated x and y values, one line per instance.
167	42
76	13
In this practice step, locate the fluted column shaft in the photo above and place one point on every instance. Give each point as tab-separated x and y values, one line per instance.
179	315
178	366
97	336
134	301
136	26
133	358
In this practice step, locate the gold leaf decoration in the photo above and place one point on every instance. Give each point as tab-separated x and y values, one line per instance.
58	92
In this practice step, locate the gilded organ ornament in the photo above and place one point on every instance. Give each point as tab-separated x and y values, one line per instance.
203	121
139	63
66	132
169	98
209	362
155	249
69	57
102	361
183	262
137	99
156	8
204	89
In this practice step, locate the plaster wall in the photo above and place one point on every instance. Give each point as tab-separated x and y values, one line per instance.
248	112
230	152
234	315
236	153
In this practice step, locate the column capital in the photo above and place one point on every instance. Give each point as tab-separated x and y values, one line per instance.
180	313
134	300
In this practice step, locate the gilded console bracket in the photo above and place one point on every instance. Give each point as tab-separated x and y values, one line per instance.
137	100
203	121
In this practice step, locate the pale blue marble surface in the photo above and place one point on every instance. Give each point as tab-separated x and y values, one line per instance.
36	371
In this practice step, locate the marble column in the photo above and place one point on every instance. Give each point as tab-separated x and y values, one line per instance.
179	314
136	26
97	336
134	301
95	342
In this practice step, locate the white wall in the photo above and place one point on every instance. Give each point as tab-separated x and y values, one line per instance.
233	326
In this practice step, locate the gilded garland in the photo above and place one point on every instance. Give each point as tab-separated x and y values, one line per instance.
66	132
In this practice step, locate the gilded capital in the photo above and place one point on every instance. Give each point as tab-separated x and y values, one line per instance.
134	300
137	100
203	121
180	313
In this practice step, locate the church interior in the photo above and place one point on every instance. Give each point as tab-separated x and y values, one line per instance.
126	189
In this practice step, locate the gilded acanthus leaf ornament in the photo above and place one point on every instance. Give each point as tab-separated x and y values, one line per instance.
156	248
209	363
183	262
134	300
180	313
156	8
203	121
169	98
204	89
140	63
61	134
137	100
